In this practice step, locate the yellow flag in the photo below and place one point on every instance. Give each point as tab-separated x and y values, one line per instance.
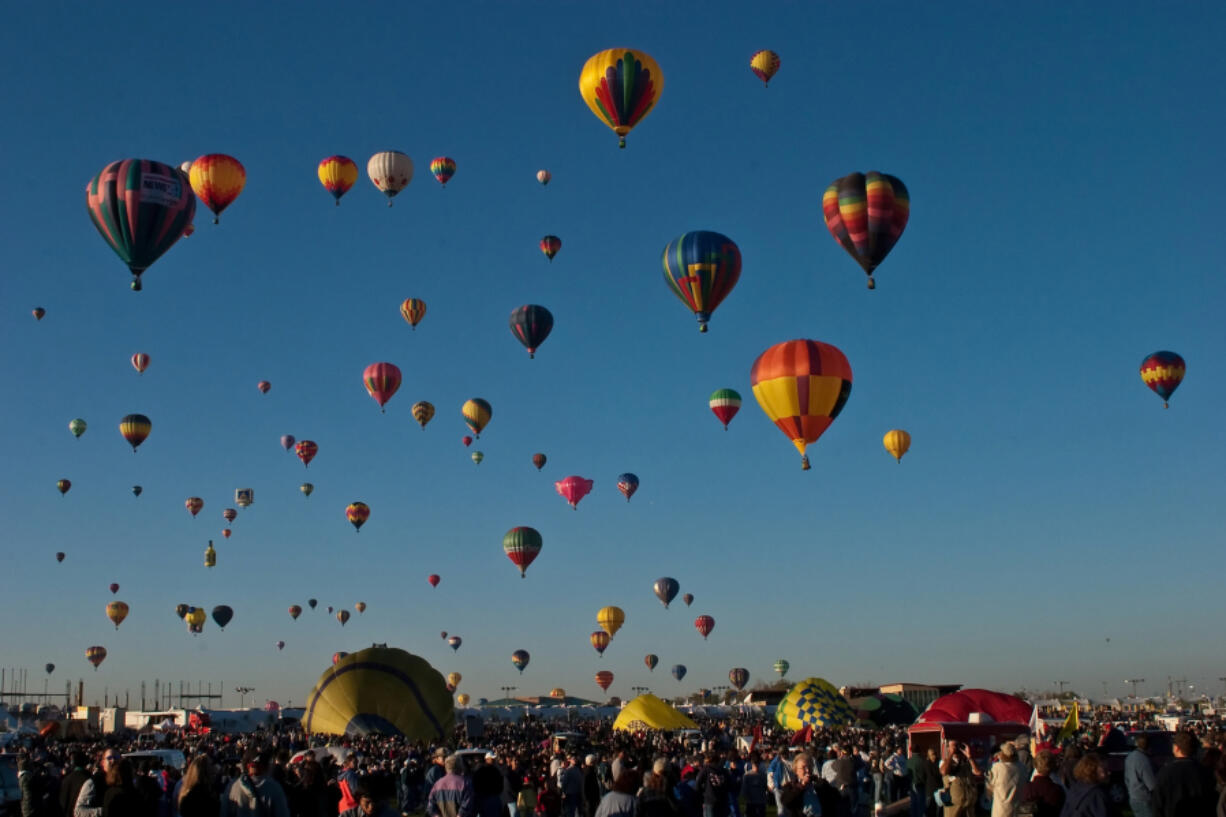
1071	724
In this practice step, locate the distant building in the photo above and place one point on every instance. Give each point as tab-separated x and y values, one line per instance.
918	695
541	700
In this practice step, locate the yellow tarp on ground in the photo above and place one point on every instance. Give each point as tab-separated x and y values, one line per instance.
649	712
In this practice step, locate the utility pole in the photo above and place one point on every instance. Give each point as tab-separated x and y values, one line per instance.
507	690
1134	682
242	693
1062	685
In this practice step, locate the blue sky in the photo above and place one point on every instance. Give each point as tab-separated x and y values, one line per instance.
1064	224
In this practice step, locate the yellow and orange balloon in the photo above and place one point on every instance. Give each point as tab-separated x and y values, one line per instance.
217	180
611	619
802	385
337	174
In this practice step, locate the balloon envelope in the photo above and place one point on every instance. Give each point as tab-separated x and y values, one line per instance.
381	380
627	484
678	671
573	489
522	545
1163	372
413	310
390	171
866	215
738	677
337	174
611	619
477	414
651	659
896	441
222	614
666	589
539	461
701	268
217	180
531	324
135	429
764	64
724	404
621	86
604	679
813	702
802	386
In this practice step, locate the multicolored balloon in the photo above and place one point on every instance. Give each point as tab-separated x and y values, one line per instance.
522	545
306	488
117	611
477	414
867	214
550	245
443	169
38	312
229	514
342	616
543	176
764	64
678	671
135	429
725	403
422	412
63	485
357	513
896	441
454	642
1163	372
651	659
781	667
704	625
539	460
413	310
140	362
738	677
390	171
573	489
381	380
701	268
600	641
141	208
802	386
621	86
338	174
77	427
306	451
604	680
295	611
477	457
520	659
627	483
531	324
95	656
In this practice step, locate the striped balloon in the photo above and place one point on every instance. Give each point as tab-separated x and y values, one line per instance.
1163	372
867	214
381	380
217	180
725	403
550	245
140	362
522	545
701	268
423	412
140	208
477	414
443	169
413	310
531	324
802	385
135	429
621	86
337	174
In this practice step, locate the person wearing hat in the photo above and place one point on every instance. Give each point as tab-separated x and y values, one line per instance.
254	794
591	786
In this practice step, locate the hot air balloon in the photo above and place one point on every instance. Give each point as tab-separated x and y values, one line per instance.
627	484
573	489
520	659
413	310
95	656
181	610
137	490
896	441
604	679
557	692
550	245
295	611
357	513
210	555
814	702
701	268
381	691
725	403
222	614
764	64
140	362
621	86
600	641
117	611
477	457
217	180
50	668
113	587
391	171
338	656
531	324
454	678
666	590
443	635
433	579
59	555
543	176
781	667
38	312
866	215
467	440
312	603
462	699
225	533
611	619
135	428
280	645
141	208
63	485
651	659
382	380
306	488
704	625
229	514
522	545
443	169
477	414
264	386
454	642
77	427
802	385
1163	372
194	504
688	598
306	451
287	441
337	174
678	671
738	677
360	607
539	461
342	616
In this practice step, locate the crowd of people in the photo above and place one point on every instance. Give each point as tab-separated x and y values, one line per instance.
731	768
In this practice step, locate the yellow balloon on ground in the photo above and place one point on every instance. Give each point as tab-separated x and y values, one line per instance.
611	619
621	86
897	441
381	691
649	712
814	702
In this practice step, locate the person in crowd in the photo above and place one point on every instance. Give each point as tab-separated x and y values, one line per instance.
368	805
437	769
925	781
253	793
654	799
570	786
753	788
196	795
713	787
1139	777
487	789
1004	782
800	798
1184	787
620	801
1087	796
452	795
778	774
70	786
89	799
898	775
1041	796
591	786
961	775
121	798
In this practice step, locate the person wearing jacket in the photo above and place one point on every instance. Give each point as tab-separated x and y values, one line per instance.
1004	782
254	794
1042	790
452	795
1087	797
89	799
70	786
1184	787
367	806
1139	778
